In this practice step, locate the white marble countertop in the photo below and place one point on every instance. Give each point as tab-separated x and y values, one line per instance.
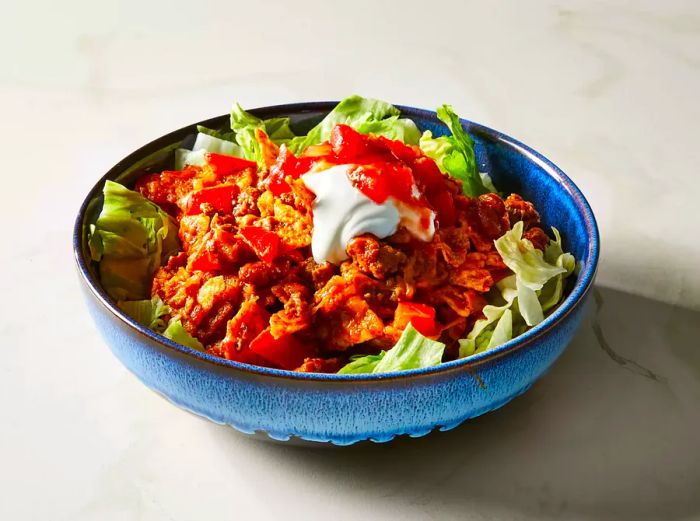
607	90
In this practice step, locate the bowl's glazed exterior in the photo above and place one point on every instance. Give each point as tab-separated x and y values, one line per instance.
344	409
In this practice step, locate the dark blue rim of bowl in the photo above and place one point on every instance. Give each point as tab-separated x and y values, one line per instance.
579	291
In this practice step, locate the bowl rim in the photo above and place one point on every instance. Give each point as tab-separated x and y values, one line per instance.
573	299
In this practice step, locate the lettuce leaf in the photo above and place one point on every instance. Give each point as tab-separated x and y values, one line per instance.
216	145
207	140
151	313
130	239
365	115
219	134
394	128
278	129
552	291
531	270
526	261
362	364
411	351
184	157
454	154
245	124
148	313
177	333
482	336
535	288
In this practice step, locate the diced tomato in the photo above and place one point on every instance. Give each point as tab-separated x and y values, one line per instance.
204	260
250	320
286	352
444	205
399	150
428	175
347	143
379	181
266	245
421	316
287	164
278	185
227	165
219	196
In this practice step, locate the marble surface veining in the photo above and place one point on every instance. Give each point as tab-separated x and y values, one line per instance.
607	90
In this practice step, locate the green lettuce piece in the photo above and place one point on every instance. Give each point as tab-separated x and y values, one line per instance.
216	145
184	157
488	182
525	304
553	290
362	364
454	154
278	129
482	336
364	115
531	270
503	330
208	140
130	239
411	351
394	128
436	148
177	333
526	261
244	125
147	312
224	135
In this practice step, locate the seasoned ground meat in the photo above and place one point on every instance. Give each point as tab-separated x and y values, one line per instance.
245	283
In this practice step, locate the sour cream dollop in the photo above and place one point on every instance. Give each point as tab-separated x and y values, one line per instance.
342	212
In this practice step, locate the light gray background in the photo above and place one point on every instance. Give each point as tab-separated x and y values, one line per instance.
607	90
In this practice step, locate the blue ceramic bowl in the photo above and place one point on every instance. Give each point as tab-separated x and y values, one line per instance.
344	409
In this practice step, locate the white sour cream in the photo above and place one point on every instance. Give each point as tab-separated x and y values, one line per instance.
342	212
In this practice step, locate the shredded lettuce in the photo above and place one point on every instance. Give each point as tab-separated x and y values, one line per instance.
148	313
531	270
177	333
535	288
455	154
411	351
482	333
552	291
130	240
